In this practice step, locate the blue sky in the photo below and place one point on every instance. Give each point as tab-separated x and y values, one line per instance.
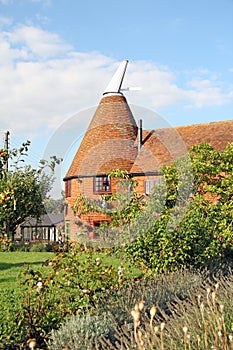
57	57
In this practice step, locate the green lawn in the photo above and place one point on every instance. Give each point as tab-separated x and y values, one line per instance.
12	263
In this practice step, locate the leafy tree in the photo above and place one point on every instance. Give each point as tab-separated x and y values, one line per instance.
205	230
22	189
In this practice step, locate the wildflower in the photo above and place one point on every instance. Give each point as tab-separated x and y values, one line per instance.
50	263
98	261
120	270
39	285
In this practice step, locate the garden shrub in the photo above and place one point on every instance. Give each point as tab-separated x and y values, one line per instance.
70	283
37	247
203	320
189	231
178	321
81	332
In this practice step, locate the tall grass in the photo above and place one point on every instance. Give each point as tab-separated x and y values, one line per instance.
187	310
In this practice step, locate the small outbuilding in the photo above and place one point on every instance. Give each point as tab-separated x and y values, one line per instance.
48	228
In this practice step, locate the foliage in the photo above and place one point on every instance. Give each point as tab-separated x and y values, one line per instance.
11	263
182	310
85	330
191	232
71	282
121	208
10	331
202	321
54	206
22	188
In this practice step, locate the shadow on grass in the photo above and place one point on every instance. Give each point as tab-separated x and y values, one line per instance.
6	266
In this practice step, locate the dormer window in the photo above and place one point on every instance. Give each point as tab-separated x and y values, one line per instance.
102	184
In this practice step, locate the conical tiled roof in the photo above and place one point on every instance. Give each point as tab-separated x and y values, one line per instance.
109	142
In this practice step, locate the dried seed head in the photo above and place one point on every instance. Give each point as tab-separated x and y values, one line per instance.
221	308
185	329
231	337
153	311
216	286
202	306
156	329
162	326
32	343
141	305
220	334
208	292
213	297
136	314
199	299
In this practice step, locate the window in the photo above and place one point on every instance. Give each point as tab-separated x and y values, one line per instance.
102	184
150	184
68	188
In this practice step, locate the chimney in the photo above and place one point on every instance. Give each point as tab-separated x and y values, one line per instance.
139	134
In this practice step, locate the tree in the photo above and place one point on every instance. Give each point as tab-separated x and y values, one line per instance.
22	189
206	229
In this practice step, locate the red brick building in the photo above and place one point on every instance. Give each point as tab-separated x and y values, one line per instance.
113	140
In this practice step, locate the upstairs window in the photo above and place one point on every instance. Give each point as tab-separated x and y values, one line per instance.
150	184
102	184
68	188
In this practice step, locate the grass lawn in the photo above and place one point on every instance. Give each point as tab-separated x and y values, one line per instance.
12	263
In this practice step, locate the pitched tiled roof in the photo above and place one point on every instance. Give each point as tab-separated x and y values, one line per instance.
45	220
109	140
162	146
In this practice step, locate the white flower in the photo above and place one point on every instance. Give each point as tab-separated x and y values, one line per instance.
39	285
120	270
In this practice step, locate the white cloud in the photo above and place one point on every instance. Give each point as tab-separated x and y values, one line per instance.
206	93
4	21
43	81
37	41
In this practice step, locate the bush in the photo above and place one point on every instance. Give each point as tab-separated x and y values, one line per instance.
183	310
203	321
38	247
81	332
70	283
